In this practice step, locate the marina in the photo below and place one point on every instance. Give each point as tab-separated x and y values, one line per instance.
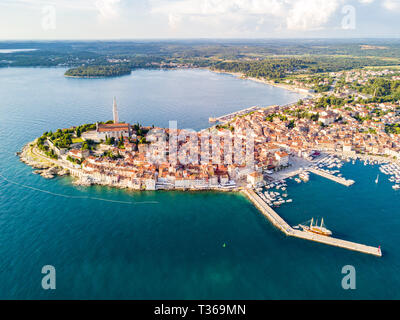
392	170
282	225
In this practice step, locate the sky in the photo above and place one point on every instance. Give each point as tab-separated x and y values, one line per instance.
176	19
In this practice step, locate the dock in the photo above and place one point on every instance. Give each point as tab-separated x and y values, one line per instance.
282	225
340	180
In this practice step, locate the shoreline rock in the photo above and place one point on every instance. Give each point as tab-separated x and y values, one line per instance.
83	182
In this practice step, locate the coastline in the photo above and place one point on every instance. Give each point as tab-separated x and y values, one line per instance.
238	75
266	82
44	166
50	168
96	77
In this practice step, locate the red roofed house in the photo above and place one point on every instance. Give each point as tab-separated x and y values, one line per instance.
255	178
282	158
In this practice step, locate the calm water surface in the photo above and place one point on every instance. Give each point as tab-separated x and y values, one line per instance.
173	248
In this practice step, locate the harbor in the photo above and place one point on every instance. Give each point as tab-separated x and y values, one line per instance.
282	225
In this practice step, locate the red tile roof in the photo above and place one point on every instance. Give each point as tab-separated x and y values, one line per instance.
113	127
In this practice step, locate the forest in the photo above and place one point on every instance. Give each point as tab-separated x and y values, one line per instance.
98	71
382	90
278	68
270	59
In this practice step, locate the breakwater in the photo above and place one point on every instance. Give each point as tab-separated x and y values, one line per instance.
329	176
281	224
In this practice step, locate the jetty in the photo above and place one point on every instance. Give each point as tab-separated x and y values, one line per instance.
282	225
329	176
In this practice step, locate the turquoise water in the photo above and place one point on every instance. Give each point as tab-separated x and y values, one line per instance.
173	248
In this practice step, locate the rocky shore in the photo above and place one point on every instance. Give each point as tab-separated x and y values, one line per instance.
84	182
43	167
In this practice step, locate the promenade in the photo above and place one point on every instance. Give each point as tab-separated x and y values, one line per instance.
282	225
230	116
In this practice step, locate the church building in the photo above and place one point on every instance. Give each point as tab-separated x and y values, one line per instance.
113	130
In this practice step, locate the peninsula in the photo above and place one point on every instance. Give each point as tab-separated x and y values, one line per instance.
251	150
129	156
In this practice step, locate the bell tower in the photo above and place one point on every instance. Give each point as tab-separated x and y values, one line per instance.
115	111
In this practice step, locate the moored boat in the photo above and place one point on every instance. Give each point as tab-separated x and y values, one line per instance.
317	229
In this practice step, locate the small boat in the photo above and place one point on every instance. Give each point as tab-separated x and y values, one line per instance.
304	177
396	187
377	179
321	230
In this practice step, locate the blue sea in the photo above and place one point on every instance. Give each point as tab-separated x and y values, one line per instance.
114	244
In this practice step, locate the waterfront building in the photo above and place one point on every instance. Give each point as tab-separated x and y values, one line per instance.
282	158
255	178
347	147
224	179
150	183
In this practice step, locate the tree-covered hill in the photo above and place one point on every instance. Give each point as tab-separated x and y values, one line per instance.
98	71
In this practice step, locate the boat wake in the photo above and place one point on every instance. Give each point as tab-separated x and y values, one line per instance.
73	197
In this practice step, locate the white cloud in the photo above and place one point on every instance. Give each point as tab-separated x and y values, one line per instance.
213	7
366	1
310	14
69	4
174	20
105	9
392	5
108	9
296	14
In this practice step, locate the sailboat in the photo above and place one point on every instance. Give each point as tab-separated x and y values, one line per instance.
321	230
377	179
